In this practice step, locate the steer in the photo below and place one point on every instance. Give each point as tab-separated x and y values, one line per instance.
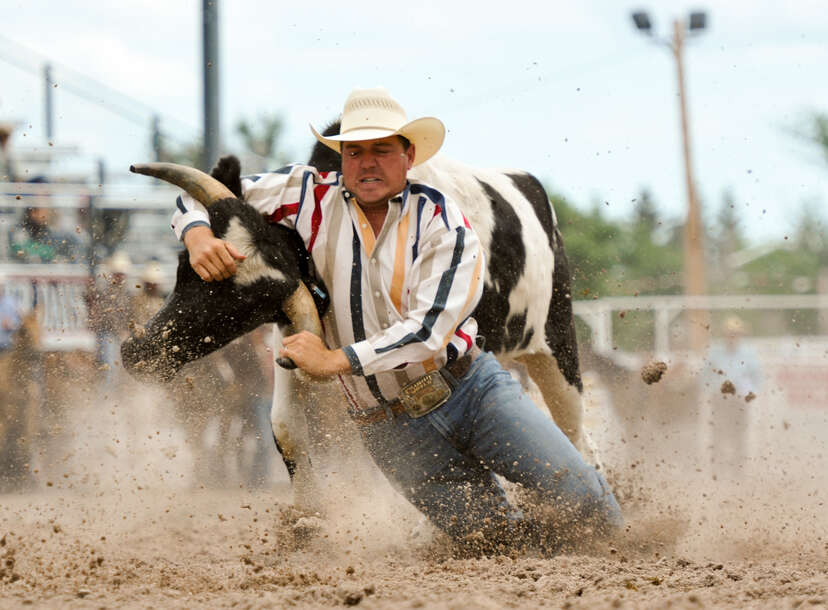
525	313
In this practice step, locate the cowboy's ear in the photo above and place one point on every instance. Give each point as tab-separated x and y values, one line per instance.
410	154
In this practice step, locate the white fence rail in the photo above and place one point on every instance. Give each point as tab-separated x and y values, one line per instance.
600	314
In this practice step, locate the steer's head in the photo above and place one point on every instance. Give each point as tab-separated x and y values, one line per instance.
200	317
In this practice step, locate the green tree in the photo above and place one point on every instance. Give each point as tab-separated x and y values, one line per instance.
262	136
817	131
260	149
645	213
614	258
590	247
190	154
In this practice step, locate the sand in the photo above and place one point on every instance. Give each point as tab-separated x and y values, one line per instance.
120	518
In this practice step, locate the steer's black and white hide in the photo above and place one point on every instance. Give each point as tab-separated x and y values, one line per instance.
525	313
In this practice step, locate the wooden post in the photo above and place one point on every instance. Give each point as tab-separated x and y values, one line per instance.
694	267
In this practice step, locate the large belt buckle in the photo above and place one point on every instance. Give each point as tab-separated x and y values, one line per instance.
424	394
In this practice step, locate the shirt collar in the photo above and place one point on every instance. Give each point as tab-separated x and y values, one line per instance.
400	198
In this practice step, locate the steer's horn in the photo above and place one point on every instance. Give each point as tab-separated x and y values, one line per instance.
203	187
301	311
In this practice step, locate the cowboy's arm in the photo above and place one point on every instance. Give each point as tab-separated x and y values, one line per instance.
312	356
446	283
213	258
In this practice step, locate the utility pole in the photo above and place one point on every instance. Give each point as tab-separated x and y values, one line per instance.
155	130
212	135
695	283
48	105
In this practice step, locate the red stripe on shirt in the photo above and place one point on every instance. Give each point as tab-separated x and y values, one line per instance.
286	210
464	337
316	219
437	210
465	221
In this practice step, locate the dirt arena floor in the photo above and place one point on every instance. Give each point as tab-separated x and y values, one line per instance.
120	518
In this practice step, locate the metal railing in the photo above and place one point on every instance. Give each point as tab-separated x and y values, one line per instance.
600	314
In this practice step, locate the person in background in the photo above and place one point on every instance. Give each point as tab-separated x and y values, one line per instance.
110	311
734	378
9	318
8	171
32	240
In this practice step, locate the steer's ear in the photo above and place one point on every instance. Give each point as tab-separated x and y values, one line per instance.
228	172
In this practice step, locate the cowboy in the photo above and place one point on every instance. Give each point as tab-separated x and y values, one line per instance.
405	270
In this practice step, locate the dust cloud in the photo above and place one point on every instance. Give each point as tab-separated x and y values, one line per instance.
126	511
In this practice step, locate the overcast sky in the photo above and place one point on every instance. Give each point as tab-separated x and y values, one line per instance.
569	91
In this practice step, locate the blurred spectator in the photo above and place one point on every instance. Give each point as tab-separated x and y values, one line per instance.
34	241
734	379
147	302
110	311
108	230
8	171
9	318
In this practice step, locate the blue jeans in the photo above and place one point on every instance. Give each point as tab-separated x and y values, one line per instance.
444	462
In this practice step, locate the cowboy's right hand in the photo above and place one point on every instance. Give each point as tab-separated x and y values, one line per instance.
210	257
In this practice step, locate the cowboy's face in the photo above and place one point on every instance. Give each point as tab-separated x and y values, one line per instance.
375	170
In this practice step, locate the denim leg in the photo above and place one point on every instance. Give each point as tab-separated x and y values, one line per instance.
444	463
507	432
457	493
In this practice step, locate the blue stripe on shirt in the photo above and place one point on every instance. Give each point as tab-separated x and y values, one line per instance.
358	326
256	177
305	177
439	305
436	196
414	249
195	223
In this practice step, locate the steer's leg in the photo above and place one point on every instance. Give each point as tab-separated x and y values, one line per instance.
563	400
290	432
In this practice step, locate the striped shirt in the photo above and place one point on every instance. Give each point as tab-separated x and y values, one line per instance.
401	301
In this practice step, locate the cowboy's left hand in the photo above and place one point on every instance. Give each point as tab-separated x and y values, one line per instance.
310	354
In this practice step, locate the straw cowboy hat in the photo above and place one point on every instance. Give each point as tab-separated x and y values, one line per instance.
734	325
372	114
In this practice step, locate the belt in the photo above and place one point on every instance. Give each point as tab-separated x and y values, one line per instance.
455	369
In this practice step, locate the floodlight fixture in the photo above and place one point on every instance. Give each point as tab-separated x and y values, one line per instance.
642	21
698	21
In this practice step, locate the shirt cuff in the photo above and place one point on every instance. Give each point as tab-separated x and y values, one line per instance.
353	359
187	221
195	223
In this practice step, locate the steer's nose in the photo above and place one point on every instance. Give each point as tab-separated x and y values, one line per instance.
146	364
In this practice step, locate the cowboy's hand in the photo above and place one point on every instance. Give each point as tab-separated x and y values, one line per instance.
310	354
210	257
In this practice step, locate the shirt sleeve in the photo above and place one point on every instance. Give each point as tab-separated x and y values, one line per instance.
446	283
278	195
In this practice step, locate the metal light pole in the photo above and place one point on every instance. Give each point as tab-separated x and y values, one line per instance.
212	135
694	267
48	103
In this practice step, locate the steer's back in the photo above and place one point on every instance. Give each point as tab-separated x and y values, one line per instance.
512	215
